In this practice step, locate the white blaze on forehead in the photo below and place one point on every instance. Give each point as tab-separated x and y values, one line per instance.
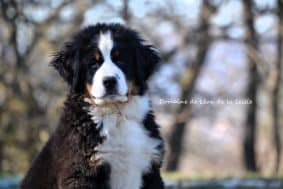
105	43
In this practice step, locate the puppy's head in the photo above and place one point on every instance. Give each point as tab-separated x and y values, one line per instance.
107	62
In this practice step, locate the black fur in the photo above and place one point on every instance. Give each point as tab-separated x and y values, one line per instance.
66	160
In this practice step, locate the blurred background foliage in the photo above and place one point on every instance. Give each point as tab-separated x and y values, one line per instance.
222	57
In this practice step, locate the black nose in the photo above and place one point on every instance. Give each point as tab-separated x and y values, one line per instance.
109	82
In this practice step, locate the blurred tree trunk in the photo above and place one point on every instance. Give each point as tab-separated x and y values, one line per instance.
249	153
188	81
276	89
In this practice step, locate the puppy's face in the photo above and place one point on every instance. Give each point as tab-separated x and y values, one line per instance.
107	72
108	63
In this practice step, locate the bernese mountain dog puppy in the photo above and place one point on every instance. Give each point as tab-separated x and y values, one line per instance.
107	137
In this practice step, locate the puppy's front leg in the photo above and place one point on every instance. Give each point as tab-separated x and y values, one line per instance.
92	174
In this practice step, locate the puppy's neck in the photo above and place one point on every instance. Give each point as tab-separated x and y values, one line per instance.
135	109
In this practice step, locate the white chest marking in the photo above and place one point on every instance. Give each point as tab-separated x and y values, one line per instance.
127	147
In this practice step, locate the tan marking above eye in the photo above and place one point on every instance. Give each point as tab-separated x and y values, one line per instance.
97	55
116	53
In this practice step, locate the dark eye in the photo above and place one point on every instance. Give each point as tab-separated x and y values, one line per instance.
120	63
94	66
94	63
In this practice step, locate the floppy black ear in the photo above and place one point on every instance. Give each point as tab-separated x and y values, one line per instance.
67	63
147	58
